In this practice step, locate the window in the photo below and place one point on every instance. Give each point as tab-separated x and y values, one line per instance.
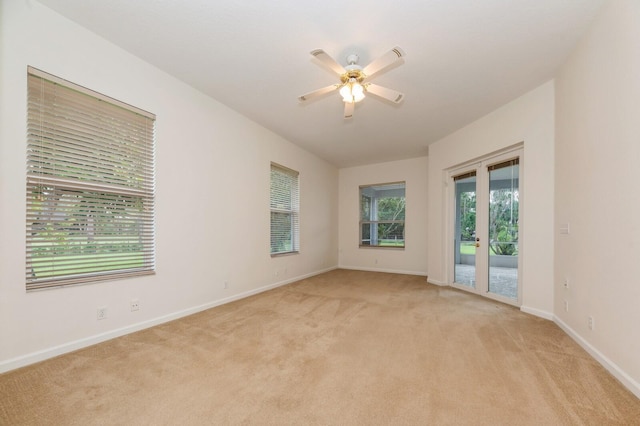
285	207
90	185
382	210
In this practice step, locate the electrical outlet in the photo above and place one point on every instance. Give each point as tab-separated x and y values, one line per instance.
135	305
591	323
226	284
566	306
102	313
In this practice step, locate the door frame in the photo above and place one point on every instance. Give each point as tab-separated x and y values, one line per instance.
482	189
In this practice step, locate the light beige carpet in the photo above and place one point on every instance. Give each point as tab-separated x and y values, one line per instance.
341	348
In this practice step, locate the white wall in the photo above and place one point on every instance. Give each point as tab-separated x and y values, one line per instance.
411	260
213	170
597	170
528	119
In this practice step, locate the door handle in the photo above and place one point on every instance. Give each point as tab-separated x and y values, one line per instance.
477	242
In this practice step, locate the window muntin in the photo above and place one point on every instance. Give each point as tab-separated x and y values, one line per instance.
382	215
285	210
90	186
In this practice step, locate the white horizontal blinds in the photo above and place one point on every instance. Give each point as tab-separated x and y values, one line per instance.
285	207
90	186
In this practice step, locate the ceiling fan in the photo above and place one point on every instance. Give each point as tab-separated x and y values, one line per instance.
353	85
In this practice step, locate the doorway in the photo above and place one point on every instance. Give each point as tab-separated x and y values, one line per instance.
486	202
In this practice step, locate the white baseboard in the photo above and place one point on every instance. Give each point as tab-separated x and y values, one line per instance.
31	358
537	312
609	365
436	282
389	271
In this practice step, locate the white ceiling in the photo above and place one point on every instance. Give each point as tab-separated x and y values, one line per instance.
464	59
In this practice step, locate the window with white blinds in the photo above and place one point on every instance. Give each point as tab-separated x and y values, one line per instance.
285	210
90	186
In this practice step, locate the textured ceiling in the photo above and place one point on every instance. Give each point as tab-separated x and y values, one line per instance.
464	59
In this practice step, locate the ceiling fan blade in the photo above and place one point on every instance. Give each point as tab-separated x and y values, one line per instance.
383	61
318	93
384	93
348	110
328	61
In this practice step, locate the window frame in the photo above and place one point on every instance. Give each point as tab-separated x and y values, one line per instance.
289	207
373	220
90	186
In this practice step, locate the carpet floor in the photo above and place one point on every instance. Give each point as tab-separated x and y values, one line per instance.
340	348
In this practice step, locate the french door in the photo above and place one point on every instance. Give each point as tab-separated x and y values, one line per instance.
485	201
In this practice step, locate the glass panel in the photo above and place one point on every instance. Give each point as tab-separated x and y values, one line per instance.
281	236
281	190
465	235
80	232
388	234
503	229
391	208
365	208
365	233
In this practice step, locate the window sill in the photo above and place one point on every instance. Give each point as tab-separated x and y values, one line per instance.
382	247
286	253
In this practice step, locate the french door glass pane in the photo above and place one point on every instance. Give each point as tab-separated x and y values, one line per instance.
503	228
465	240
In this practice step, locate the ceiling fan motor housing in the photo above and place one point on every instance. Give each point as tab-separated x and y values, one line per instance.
353	71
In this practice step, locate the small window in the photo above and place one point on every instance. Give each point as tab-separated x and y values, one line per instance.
382	211
90	186
285	211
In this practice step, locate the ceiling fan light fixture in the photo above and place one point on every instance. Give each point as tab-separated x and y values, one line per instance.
357	91
345	92
352	91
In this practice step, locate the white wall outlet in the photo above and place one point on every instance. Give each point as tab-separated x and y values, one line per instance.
591	323
102	313
566	306
226	284
135	305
